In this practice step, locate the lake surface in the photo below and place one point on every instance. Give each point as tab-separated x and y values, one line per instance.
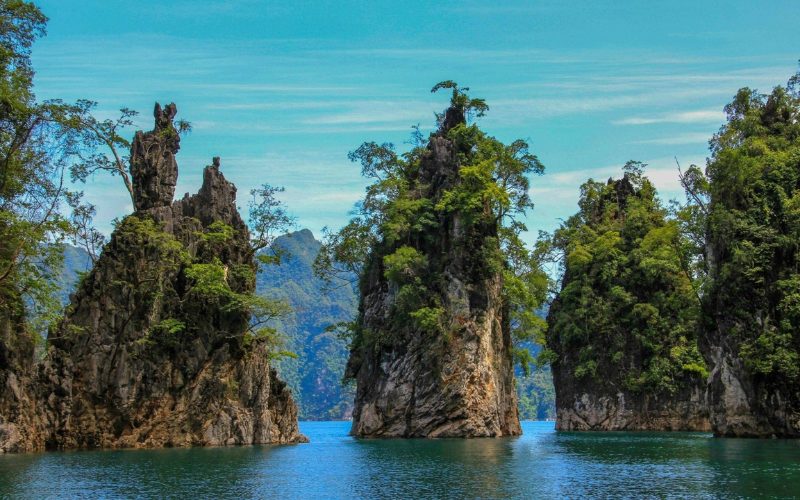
540	464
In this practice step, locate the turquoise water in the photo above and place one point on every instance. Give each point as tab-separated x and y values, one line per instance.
540	464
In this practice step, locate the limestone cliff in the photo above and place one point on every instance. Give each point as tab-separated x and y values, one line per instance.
743	402
623	328
608	406
154	348
20	427
415	379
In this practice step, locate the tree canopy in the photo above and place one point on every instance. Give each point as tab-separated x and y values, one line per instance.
36	144
402	209
627	313
753	229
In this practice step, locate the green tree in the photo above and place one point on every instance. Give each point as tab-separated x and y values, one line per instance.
397	215
753	229
37	143
627	313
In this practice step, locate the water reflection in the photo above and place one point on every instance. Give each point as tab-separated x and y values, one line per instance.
755	467
542	464
440	468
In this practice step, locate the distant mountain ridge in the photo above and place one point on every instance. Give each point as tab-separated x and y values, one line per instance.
316	375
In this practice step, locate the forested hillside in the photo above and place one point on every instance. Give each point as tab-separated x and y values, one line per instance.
315	376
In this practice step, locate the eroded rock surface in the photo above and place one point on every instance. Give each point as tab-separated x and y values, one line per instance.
599	409
743	404
154	170
414	383
148	356
20	425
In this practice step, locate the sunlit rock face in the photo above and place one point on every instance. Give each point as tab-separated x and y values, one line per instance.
419	383
141	359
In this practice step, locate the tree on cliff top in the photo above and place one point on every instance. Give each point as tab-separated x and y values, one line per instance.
627	313
753	229
400	209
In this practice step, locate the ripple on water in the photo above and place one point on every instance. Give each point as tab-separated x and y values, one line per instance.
542	463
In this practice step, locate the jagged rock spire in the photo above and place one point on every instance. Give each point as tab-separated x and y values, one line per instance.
453	117
154	171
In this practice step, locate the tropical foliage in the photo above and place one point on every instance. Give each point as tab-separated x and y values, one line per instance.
398	219
752	213
627	311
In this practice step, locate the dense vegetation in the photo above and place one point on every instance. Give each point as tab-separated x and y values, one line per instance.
36	142
315	374
398	217
751	204
627	313
536	394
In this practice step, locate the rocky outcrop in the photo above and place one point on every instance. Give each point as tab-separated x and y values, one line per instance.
154	171
743	403
622	329
20	426
415	381
154	348
593	407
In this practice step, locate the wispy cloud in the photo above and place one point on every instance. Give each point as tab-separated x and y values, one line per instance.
375	112
696	116
559	105
691	138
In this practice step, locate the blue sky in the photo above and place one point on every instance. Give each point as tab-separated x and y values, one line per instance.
283	90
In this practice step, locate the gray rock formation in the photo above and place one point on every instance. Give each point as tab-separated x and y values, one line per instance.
742	404
154	171
20	427
416	383
587	407
149	354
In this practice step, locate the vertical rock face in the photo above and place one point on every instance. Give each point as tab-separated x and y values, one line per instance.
142	357
417	383
606	406
623	327
20	427
154	170
743	405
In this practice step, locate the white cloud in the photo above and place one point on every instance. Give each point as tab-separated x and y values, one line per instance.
696	116
691	138
404	113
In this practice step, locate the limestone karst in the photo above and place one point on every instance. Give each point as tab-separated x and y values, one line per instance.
155	347
432	357
623	327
